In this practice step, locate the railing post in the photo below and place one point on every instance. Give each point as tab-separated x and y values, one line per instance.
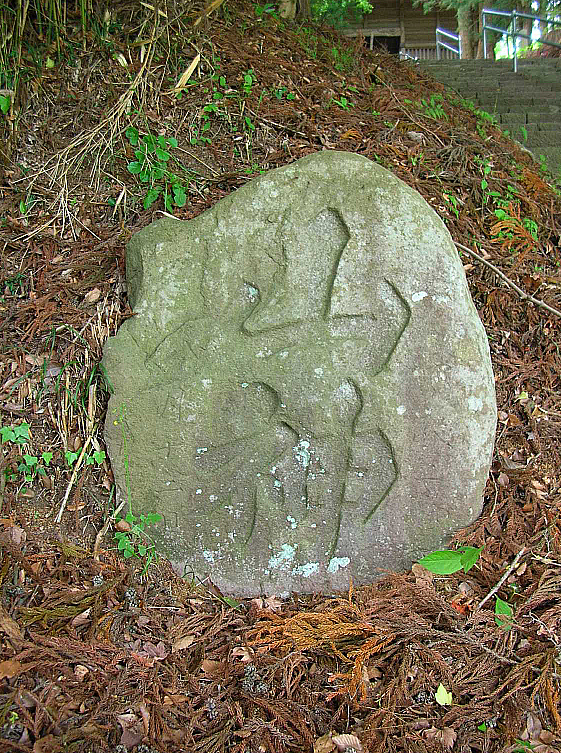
484	35
514	40
438	53
460	48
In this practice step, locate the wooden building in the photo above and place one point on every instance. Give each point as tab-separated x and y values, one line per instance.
402	27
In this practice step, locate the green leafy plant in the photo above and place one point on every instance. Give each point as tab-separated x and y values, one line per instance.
153	154
279	93
16	434
433	107
269	9
248	81
453	202
31	465
343	103
343	60
134	541
447	562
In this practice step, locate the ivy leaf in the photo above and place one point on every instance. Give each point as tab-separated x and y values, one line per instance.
134	167
442	696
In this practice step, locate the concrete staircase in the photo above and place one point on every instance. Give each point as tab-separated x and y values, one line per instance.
527	104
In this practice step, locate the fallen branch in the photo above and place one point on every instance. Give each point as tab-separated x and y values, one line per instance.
513	567
525	296
72	480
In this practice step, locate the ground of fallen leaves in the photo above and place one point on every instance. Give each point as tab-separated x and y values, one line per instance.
96	655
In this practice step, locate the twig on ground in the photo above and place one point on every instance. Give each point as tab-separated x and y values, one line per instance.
72	479
525	296
494	590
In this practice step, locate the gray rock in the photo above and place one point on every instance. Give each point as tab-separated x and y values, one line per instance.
305	392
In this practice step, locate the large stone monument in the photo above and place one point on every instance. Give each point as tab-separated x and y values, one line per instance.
305	391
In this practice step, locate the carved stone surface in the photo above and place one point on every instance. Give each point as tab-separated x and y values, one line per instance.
305	392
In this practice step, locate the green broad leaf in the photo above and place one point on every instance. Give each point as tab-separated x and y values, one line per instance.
71	457
151	197
291	96
152	517
5	103
158	173
8	434
503	614
482	727
49	63
484	184
231	602
162	142
442	696
172	142
150	140
128	553
442	562
179	197
89	461
30	460
162	155
168	203
135	167
99	456
142	549
47	457
206	126
132	135
130	517
22	432
470	557
141	155
144	176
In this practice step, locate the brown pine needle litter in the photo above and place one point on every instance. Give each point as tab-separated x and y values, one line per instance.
98	656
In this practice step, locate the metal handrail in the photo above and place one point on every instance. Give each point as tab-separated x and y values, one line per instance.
513	15
451	35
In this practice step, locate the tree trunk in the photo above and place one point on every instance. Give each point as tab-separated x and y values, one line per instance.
464	19
304	10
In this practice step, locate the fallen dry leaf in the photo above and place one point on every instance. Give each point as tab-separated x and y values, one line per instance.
182	643
325	744
92	296
10	668
347	741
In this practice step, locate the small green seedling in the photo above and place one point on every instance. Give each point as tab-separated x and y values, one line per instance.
31	465
248	81
343	103
136	542
503	614
451	561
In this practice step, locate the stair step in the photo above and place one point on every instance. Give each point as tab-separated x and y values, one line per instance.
527	104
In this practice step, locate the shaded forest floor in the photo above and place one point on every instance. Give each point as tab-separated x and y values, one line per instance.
98	655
